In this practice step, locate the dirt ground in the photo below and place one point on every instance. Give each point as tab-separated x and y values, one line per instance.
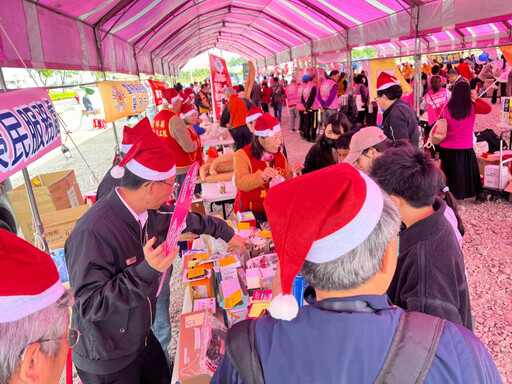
487	245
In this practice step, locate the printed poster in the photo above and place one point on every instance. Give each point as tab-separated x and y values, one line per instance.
122	98
375	67
220	78
29	128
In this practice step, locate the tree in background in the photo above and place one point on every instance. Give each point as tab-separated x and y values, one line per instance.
43	74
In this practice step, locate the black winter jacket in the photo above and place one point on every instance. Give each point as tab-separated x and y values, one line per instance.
399	122
430	274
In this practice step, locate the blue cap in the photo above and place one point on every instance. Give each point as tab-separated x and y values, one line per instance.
305	78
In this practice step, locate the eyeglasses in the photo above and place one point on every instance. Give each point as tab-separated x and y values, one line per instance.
72	337
175	185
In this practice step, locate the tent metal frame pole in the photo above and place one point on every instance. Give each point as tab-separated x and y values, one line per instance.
30	192
417	60
100	56
350	75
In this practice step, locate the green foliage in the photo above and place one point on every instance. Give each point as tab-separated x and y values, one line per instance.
365	52
63	95
235	61
43	74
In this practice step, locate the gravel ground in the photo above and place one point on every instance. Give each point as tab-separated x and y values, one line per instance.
487	244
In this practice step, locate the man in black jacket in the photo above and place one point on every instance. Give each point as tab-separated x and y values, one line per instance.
430	274
115	257
399	119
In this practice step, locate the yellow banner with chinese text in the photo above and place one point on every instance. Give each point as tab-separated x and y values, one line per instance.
122	98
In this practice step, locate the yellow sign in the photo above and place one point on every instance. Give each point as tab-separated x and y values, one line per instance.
258	307
389	66
201	256
245	225
233	300
122	98
507	52
266	234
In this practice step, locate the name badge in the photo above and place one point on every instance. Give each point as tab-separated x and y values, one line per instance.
131	260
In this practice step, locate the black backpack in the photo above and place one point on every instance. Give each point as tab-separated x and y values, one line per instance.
408	360
491	138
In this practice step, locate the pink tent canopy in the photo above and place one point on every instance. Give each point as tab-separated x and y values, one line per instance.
160	36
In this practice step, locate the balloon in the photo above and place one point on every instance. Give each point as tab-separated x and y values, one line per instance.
484	56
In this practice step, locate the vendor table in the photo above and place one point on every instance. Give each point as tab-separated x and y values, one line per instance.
208	142
211	195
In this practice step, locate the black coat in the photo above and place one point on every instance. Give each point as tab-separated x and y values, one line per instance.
399	122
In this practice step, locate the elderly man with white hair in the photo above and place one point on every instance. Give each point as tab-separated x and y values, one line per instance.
238	114
34	315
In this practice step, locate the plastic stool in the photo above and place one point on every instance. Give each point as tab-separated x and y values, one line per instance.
90	198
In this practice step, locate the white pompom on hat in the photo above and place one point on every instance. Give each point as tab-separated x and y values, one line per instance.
29	279
318	230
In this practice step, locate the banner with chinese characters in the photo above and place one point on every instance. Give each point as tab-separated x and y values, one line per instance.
156	88
446	58
220	79
122	98
29	128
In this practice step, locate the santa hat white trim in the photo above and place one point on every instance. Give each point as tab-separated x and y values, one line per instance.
268	132
354	233
189	113
13	308
386	86
126	147
250	118
148	174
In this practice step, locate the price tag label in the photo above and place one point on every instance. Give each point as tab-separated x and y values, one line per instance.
242	226
195	272
258	308
266	234
227	261
201	256
233	300
192	263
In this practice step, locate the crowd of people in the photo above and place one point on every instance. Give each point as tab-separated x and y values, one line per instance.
369	221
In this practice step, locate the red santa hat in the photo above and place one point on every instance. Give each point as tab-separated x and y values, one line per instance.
29	281
253	113
131	135
171	95
318	230
149	158
385	80
187	110
266	125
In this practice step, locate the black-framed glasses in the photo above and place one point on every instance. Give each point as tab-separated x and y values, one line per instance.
72	337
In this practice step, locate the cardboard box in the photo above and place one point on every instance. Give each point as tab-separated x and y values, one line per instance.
58	225
491	176
483	162
190	370
53	192
198	206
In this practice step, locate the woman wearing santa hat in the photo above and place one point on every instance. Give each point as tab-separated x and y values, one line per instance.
260	164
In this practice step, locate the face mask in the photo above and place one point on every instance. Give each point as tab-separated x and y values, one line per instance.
330	142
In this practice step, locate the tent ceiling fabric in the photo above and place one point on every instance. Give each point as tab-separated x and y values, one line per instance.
162	35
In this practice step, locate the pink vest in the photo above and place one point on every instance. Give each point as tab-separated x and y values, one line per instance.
302	91
435	103
316	103
292	94
325	91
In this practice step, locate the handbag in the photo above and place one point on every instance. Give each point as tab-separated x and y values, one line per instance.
439	130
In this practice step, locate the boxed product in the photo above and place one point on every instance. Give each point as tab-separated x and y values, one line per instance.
53	192
202	346
492	176
245	220
200	281
485	161
58	225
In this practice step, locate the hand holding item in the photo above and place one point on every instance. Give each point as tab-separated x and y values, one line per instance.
297	167
237	243
155	256
268	173
188	236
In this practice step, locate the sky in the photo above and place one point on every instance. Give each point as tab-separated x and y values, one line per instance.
201	61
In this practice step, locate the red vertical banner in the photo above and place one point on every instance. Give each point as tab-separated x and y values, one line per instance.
220	78
156	88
